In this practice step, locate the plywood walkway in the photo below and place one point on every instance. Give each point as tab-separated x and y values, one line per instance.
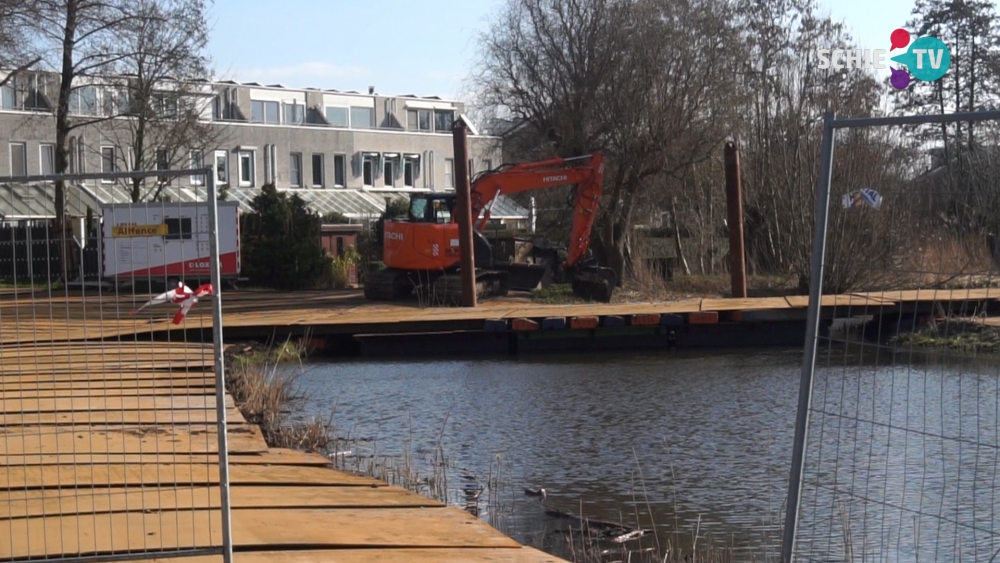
111	447
62	316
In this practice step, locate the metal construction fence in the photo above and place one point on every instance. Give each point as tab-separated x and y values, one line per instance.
113	406
897	443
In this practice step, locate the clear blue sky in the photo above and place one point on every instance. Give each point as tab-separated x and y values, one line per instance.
407	46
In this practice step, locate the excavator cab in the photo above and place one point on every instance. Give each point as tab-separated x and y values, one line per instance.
431	208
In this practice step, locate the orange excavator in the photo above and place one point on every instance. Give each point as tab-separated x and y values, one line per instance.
421	252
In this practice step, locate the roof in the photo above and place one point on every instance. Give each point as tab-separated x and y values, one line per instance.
23	202
19	202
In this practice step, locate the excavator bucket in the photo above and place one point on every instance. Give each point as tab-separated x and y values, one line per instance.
594	284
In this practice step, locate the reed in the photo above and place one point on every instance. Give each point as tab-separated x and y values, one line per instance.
267	395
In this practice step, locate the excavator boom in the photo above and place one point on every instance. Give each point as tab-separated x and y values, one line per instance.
587	172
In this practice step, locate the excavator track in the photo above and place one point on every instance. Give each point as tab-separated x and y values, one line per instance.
447	289
388	284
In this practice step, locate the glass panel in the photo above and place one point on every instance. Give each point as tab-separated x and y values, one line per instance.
340	170
408	174
295	169
443	120
257	112
425	120
18	166
107	159
361	118
8	97
271	112
48	159
246	169
221	172
293	114
387	173
317	170
368	172
338	117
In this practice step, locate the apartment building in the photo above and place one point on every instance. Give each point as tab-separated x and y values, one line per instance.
343	151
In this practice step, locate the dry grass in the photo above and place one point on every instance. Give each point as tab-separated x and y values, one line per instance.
266	395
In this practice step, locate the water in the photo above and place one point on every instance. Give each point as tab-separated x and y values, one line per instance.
710	433
902	463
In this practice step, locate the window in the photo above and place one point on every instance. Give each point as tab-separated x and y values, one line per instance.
409	172
449	173
271	164
163	163
362	118
18	159
164	104
295	113
246	168
317	171
48	159
8	97
197	161
295	169
418	119
443	120
338	117
83	101
109	163
389	172
472	169
177	228
339	170
264	112
368	170
221	167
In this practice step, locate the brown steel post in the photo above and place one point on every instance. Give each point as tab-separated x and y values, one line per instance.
734	203
463	208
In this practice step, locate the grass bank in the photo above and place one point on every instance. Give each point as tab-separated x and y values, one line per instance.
964	335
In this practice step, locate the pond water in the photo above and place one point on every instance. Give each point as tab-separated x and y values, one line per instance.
679	442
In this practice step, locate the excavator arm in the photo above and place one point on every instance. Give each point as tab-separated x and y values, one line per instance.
587	172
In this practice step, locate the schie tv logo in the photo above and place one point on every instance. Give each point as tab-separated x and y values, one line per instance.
927	59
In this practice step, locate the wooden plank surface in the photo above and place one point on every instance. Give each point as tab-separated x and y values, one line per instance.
111	446
62	476
128	440
48	502
78	404
252	528
396	555
119	417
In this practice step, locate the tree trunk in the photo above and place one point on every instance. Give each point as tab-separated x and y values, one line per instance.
62	134
677	237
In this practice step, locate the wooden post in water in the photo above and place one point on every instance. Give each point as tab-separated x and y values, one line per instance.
734	203
463	208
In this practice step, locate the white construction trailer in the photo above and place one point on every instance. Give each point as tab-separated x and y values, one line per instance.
167	242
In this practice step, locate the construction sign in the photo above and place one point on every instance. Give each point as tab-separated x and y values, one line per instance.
139	230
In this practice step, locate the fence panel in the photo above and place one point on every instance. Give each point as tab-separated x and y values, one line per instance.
899	430
114	422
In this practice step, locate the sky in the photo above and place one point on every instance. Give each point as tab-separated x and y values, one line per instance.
421	47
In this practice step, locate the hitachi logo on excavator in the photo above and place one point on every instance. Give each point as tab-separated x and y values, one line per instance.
393	236
562	178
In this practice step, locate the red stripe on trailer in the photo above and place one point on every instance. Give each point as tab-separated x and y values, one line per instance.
227	264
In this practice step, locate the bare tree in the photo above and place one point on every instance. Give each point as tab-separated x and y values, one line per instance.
79	34
17	53
162	87
640	80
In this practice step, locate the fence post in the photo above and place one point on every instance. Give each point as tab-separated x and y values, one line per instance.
812	329
220	379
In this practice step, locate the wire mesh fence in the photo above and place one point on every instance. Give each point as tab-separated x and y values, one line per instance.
114	441
897	452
